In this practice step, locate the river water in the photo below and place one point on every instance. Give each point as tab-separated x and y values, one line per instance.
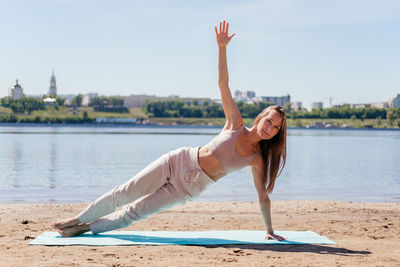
70	164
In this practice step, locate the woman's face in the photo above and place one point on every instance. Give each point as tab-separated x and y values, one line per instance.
269	125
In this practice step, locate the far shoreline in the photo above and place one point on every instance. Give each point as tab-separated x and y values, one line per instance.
169	126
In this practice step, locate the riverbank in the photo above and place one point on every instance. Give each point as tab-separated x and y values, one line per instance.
292	123
367	234
86	115
218	123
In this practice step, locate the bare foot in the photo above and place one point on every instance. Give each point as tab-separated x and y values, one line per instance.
63	223
74	230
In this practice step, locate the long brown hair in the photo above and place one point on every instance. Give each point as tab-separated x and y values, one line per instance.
274	150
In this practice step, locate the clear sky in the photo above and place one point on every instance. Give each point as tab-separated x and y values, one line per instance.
311	49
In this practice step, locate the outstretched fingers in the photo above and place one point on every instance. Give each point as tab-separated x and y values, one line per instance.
223	28
222	35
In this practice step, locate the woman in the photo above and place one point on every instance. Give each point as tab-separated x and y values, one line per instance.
184	173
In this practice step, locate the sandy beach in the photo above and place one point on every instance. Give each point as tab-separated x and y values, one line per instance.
367	234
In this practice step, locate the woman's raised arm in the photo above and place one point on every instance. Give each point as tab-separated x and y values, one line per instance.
232	114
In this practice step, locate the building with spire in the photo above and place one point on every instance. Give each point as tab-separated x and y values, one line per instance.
53	88
16	91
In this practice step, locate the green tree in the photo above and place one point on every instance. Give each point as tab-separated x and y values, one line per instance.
85	116
77	100
249	110
379	121
213	110
60	101
117	102
162	108
5	101
96	101
288	107
26	104
391	115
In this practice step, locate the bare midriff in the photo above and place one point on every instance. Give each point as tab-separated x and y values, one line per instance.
210	164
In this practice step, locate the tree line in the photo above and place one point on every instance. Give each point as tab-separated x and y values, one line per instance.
108	104
102	103
346	112
12	118
26	104
29	104
194	109
178	108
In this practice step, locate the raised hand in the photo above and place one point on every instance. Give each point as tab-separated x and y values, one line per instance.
223	38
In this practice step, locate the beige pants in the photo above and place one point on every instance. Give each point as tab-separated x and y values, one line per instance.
173	178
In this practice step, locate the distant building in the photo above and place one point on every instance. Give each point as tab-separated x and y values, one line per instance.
238	95
245	96
53	87
374	105
249	94
297	106
16	91
86	99
395	102
250	98
380	105
67	99
317	105
117	120
49	101
337	106
137	101
200	101
217	101
276	100
357	105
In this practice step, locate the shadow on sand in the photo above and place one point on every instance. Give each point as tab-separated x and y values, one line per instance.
318	249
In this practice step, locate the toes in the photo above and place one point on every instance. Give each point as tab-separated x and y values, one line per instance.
56	226
63	233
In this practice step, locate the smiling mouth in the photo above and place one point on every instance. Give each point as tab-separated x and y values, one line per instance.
266	133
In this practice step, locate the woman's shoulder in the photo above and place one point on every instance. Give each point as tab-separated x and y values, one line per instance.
231	127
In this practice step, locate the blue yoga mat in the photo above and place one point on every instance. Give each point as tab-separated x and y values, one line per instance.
126	238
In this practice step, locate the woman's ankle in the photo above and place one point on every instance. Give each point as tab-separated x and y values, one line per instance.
84	227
